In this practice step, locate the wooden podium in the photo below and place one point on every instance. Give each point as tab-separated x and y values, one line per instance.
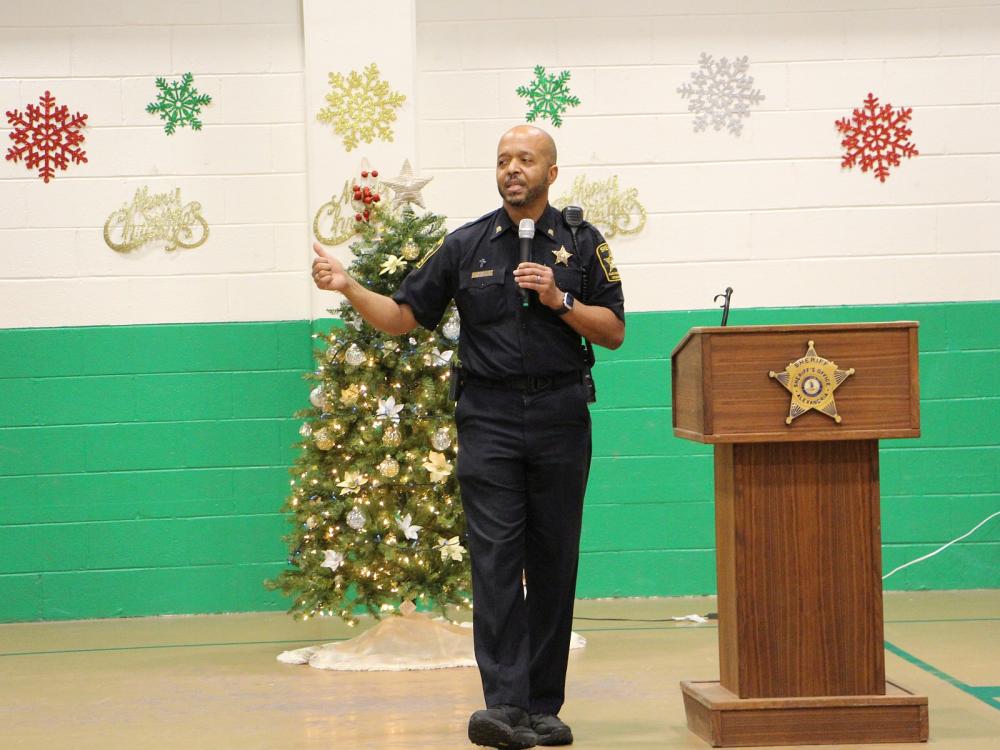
798	532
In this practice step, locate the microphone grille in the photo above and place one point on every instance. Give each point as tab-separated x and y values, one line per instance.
526	229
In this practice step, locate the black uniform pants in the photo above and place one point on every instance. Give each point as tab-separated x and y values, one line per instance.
523	461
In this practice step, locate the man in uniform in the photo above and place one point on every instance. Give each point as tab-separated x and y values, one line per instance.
523	422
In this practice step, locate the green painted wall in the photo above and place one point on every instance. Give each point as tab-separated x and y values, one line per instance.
142	467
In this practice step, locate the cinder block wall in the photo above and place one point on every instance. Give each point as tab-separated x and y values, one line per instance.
146	399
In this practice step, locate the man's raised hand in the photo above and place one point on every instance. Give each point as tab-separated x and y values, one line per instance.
328	272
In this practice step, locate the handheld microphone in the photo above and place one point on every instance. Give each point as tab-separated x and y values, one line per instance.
525	233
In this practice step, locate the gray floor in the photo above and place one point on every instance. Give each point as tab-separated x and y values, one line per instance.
213	681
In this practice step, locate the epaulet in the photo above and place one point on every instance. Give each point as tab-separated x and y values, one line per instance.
475	222
467	225
595	234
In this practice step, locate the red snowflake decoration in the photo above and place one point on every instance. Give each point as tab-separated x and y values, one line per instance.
876	137
46	136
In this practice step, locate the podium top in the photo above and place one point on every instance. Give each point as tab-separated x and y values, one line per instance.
839	381
805	328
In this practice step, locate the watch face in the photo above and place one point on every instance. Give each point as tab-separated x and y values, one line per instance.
568	301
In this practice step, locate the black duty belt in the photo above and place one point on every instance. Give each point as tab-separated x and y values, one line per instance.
527	383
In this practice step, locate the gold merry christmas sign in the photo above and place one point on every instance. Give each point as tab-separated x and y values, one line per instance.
812	380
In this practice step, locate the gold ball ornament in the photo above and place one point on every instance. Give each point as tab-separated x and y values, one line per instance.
410	251
323	439
389	467
392	436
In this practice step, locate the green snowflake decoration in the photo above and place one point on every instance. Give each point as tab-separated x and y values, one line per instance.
178	103
360	107
548	96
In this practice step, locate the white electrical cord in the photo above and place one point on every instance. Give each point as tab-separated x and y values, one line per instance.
940	549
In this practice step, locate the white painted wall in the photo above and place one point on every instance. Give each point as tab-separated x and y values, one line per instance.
771	212
341	43
246	166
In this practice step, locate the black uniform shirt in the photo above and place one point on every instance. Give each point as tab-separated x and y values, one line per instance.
475	265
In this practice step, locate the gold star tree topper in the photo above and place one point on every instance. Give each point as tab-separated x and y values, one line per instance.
407	187
812	380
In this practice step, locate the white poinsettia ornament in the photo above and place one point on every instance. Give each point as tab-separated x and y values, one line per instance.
437	465
352	482
392	264
332	559
437	358
389	409
450	548
407	526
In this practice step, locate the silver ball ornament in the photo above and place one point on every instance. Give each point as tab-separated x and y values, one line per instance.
452	328
356	519
317	397
354	356
441	438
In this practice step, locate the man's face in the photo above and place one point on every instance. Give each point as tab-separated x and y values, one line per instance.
523	169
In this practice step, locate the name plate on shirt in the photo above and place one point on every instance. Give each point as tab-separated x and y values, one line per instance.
481	274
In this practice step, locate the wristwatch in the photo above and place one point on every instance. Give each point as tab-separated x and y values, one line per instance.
567	304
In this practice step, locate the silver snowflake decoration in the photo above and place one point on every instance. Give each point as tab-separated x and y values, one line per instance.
721	93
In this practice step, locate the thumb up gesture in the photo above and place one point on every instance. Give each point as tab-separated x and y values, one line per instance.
328	272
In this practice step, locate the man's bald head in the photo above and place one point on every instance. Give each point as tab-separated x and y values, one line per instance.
526	166
544	143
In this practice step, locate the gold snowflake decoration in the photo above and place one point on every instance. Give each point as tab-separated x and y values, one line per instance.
360	107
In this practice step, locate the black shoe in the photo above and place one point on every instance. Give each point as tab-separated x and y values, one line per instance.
551	730
505	727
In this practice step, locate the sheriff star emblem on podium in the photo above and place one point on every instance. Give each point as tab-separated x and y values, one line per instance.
812	380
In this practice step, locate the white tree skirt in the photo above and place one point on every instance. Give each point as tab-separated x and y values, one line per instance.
398	644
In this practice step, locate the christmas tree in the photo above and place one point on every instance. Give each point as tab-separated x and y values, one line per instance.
374	503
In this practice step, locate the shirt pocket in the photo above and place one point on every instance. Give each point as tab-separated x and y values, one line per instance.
569	280
482	295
